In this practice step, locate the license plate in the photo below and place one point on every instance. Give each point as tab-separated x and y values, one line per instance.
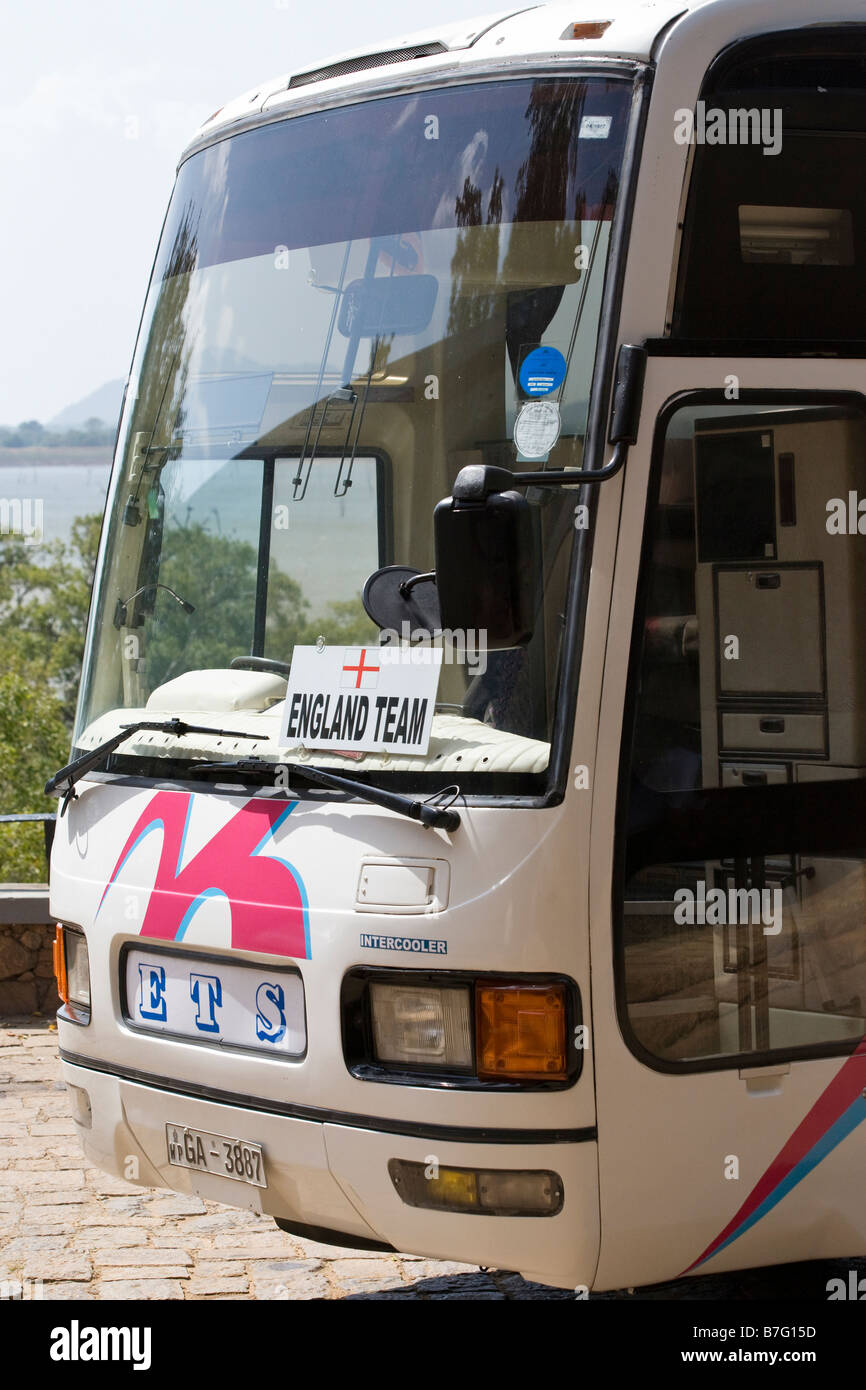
216	1153
216	1000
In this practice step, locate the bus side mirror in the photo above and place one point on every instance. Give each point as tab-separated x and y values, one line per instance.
487	561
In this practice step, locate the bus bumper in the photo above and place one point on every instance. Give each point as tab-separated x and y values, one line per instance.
335	1177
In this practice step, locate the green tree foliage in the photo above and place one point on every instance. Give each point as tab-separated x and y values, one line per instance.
217	574
44	598
44	601
343	624
34	741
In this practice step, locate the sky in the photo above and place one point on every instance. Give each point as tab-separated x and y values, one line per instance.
97	100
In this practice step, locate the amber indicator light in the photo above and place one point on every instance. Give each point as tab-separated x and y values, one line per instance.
60	965
521	1032
591	29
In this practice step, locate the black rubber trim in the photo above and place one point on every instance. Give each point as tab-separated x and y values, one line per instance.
851	348
326	1236
580	563
459	1134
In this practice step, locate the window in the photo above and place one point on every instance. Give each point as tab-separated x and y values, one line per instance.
743	799
341	311
242	541
774	239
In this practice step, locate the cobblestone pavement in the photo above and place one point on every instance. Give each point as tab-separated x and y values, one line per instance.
85	1235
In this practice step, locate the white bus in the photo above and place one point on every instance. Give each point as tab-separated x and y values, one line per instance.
463	848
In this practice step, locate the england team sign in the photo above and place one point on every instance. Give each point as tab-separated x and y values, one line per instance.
361	699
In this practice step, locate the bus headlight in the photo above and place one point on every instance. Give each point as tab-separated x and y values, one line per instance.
459	1030
425	1025
72	969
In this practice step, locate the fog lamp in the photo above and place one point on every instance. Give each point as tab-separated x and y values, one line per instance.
480	1191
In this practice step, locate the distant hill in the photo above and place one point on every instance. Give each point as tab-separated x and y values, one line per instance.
102	404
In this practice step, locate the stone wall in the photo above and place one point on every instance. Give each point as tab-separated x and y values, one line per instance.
27	984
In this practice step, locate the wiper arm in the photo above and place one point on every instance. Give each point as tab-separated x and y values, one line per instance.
440	817
64	780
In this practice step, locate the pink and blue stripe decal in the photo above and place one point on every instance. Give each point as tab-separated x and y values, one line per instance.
266	894
836	1113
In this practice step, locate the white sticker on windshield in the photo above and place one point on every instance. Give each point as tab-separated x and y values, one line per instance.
536	429
595	127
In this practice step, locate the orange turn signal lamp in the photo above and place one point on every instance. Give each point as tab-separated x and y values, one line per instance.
60	965
520	1032
588	29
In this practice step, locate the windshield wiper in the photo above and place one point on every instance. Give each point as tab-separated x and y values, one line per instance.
64	780
441	817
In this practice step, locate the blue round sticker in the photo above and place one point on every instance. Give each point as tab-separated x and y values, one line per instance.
543	370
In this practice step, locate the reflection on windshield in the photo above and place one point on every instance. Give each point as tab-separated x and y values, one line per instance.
210	557
339	315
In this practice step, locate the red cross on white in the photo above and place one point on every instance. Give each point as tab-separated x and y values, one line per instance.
357	673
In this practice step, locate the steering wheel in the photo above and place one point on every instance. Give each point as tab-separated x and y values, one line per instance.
259	663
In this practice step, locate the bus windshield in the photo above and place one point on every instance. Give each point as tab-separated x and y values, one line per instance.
338	320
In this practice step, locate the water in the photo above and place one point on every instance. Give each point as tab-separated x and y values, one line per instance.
64	490
330	547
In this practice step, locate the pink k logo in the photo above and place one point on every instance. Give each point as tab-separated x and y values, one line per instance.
266	895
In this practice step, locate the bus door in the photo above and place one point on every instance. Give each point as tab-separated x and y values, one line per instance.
729	959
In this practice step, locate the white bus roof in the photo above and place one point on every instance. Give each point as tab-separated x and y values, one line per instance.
603	29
